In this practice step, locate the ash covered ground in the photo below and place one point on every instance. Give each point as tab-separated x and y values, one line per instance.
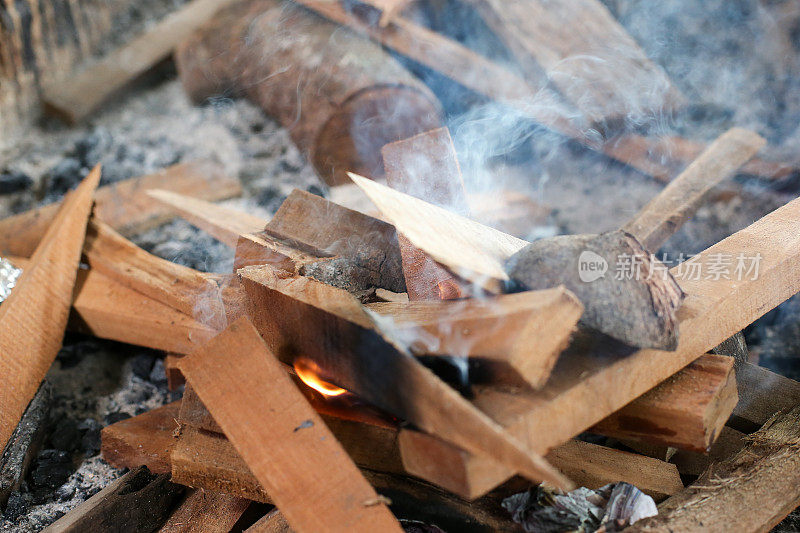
736	60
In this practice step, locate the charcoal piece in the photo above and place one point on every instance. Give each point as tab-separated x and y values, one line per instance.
113	418
158	375
142	364
64	176
90	441
14	181
16	507
65	435
52	469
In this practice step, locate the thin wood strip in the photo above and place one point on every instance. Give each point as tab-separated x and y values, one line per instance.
34	316
290	445
206	512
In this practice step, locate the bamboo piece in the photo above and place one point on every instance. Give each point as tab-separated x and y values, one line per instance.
590	384
138	501
222	223
763	479
339	112
124	205
74	99
687	411
660	218
34	316
206	512
294	445
362	361
512	338
182	288
426	166
146	439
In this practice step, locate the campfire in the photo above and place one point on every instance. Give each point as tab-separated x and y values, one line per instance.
419	347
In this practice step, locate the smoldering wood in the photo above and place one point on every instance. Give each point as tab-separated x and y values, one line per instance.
714	310
339	112
124	205
426	166
763	479
292	445
34	316
75	97
346	345
736	347
638	307
24	443
138	501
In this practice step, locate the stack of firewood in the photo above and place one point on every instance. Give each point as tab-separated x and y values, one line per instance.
398	354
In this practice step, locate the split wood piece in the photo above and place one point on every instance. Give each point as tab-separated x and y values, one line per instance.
222	223
174	377
292	445
426	166
339	112
262	249
206	512
687	411
763	479
25	442
345	240
184	289
664	157
138	501
735	347
146	439
272	522
511	338
74	99
34	316
592	60
109	310
660	218
589	383
762	394
124	205
299	315
727	444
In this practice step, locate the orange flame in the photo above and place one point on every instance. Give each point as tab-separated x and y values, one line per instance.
308	371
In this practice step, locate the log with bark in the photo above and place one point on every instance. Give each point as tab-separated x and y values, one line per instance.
298	68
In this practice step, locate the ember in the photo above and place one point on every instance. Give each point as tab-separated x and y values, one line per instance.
308	371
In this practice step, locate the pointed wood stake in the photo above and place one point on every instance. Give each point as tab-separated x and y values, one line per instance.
222	223
33	318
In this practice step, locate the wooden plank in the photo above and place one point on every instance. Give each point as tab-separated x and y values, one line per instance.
124	205
206	512
687	411
34	316
174	377
425	166
345	343
146	439
292	445
761	394
272	522
511	338
590	383
667	212
222	223
138	501
762	480
191	292
74	99
592	61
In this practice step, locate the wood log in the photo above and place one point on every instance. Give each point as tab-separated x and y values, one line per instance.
345	344
138	501
592	61
339	112
191	292
222	223
687	411
206	512
292	446
763	479
34	316
589	383
668	211
426	166
74	98
124	205
762	394
512	338
146	439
